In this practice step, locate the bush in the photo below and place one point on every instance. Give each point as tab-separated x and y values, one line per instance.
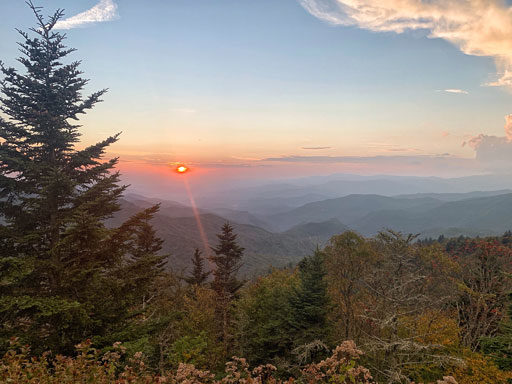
91	366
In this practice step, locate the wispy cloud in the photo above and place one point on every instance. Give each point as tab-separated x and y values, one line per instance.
458	91
390	147
105	10
316	148
354	159
476	27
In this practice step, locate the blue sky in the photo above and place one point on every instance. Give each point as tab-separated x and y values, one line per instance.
236	82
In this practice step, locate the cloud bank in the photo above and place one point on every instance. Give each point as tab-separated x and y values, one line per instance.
495	152
105	10
476	27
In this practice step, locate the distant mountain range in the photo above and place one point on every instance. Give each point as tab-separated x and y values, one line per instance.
278	197
281	223
423	214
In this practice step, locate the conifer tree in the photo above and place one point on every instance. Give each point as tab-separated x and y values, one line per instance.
227	259
144	262
60	265
310	302
198	275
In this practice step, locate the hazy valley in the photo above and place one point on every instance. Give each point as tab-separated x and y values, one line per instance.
278	224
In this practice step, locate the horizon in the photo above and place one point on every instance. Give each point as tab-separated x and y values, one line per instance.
296	88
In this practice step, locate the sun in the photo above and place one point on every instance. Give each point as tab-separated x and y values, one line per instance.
181	169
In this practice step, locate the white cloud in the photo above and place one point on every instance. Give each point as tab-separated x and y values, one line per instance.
105	10
459	91
494	151
476	27
508	127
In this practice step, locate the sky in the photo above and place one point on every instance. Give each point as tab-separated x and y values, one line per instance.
241	89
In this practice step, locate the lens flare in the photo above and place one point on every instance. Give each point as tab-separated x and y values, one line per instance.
181	169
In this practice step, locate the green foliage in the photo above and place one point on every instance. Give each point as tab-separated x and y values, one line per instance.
198	275
65	276
349	259
310	302
499	346
190	350
262	318
227	257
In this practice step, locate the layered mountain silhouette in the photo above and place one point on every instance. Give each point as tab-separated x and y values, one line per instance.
282	237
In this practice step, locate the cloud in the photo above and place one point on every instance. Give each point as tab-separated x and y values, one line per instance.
443	164
476	27
495	152
105	10
508	127
390	147
401	149
357	159
315	148
459	91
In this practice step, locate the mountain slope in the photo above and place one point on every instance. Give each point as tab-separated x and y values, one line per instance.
318	233
181	236
484	215
347	209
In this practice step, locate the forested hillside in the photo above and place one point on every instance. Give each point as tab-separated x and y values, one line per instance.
286	237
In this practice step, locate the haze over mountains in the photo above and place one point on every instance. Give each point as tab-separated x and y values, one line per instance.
279	223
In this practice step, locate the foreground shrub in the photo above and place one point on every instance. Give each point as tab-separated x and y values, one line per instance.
91	366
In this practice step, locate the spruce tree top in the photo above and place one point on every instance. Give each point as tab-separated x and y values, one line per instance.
42	175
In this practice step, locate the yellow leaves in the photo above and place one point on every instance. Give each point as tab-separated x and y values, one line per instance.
433	328
477	369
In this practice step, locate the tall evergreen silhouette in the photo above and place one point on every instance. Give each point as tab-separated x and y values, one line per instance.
310	302
227	256
198	275
61	267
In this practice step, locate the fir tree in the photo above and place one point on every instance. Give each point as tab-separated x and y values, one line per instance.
59	263
227	259
198	275
144	262
310	302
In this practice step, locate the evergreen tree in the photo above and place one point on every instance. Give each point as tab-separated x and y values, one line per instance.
198	275
227	259
310	302
262	319
60	265
144	263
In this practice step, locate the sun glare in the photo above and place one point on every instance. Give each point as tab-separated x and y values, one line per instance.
181	169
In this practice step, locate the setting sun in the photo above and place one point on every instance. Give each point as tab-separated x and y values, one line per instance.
181	169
